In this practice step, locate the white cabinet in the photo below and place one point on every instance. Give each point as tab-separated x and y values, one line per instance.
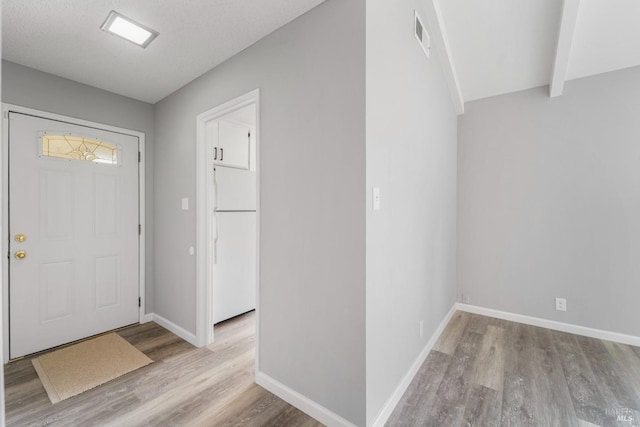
231	144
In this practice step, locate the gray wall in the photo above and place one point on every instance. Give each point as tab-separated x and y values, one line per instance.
411	157
312	320
31	88
549	202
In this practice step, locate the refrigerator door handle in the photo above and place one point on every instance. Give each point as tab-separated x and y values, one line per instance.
215	153
215	239
215	216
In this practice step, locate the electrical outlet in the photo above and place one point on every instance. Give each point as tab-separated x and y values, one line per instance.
465	298
561	304
421	328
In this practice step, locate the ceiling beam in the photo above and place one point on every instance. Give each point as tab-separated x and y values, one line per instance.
444	50
563	47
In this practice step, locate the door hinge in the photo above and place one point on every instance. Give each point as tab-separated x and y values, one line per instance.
139	302
139	229
139	156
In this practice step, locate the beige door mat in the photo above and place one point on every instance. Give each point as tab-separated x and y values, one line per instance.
83	366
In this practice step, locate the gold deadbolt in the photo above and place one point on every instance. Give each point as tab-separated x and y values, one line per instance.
21	238
21	254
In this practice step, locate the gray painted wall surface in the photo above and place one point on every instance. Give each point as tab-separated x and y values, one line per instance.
549	202
312	282
411	157
35	89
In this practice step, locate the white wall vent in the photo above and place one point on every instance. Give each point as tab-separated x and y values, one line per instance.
421	35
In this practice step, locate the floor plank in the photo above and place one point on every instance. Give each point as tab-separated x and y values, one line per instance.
626	362
589	404
412	411
612	382
518	398
449	404
489	366
552	396
448	341
483	408
478	324
256	407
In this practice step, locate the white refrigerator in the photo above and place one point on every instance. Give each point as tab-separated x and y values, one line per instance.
234	270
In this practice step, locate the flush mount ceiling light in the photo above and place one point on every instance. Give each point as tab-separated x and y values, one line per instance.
128	29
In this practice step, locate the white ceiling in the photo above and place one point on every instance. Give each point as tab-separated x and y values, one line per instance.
501	46
607	37
495	46
63	37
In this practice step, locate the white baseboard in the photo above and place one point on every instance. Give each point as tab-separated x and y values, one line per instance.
301	402
552	324
146	318
178	330
393	400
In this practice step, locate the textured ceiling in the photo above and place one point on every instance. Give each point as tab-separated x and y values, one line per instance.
63	37
501	46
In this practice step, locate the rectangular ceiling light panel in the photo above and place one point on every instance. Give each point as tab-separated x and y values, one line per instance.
128	29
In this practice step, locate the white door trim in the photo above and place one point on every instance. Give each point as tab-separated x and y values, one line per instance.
6	108
204	219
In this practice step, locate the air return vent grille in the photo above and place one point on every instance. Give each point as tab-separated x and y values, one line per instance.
421	35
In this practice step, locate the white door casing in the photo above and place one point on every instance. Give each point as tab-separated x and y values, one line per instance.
205	224
81	273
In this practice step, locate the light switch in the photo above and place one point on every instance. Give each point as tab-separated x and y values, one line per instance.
376	199
185	204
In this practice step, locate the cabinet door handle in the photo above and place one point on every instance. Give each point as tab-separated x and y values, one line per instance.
221	154
215	153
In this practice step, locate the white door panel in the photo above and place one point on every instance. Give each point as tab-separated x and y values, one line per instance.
234	279
233	145
235	189
80	218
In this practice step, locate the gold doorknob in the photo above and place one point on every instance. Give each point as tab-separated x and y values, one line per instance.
21	238
21	254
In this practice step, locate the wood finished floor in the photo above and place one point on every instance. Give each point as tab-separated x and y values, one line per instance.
186	386
489	372
481	372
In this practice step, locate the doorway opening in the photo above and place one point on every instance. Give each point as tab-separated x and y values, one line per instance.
228	215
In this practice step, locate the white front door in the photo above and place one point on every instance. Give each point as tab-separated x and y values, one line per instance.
73	232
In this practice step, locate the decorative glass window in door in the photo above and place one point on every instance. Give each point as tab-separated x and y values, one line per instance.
75	147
